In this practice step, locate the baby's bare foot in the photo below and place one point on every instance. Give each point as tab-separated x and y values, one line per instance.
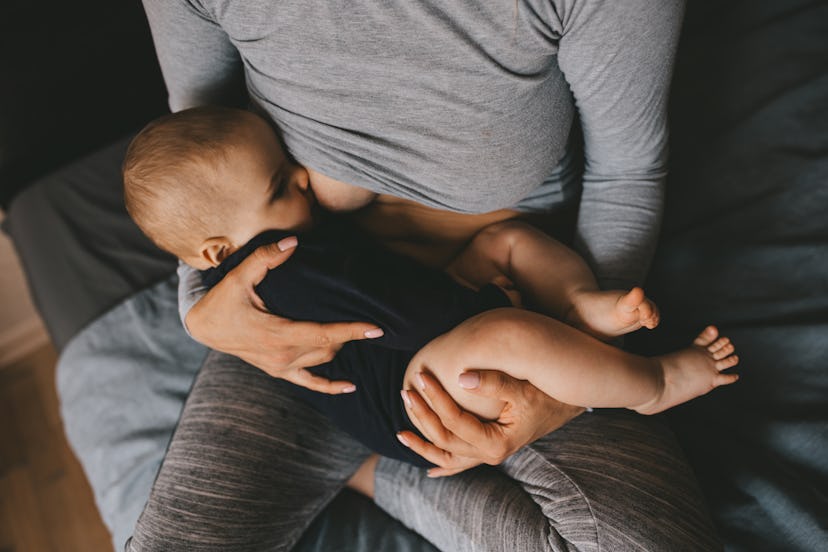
694	371
607	314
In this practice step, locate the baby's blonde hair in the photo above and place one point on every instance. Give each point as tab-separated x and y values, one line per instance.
170	185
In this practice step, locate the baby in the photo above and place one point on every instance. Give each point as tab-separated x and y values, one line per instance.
211	184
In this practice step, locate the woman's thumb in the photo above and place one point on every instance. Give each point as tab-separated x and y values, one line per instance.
490	383
254	268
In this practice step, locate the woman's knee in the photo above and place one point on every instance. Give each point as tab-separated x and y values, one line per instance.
615	481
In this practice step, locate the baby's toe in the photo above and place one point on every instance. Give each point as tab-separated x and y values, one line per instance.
653	320
727	362
707	336
645	309
726	350
631	300
718	344
725	379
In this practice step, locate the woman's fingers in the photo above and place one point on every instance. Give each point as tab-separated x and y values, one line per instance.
427	450
253	269
459	440
430	425
445	472
467	427
449	464
529	413
313	382
441	402
315	335
276	345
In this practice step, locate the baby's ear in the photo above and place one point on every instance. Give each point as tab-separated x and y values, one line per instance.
215	250
302	178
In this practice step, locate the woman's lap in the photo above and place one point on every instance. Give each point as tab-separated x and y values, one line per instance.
628	473
609	481
249	467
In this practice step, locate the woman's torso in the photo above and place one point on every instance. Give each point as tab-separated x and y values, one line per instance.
456	105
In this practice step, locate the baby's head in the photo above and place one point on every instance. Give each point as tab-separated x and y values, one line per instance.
202	182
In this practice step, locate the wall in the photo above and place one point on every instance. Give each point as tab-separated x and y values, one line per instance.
21	330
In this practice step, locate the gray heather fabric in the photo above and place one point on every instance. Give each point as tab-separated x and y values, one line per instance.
249	466
607	481
82	253
465	105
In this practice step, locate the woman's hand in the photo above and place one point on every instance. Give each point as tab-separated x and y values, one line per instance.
459	440
233	319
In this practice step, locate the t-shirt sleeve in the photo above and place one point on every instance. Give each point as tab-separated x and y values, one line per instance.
199	62
190	291
617	57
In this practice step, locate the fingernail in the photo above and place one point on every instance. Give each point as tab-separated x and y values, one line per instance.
349	389
469	380
403	440
406	399
420	381
372	334
287	243
430	473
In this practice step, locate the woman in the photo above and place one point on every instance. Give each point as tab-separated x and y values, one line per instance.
448	117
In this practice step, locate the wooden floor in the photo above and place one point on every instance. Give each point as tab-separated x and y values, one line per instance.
45	501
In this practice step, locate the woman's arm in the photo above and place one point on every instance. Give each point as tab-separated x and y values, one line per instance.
199	63
201	66
617	57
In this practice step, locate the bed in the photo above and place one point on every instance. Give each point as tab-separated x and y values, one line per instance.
744	246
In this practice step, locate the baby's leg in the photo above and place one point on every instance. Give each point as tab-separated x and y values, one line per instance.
568	365
560	360
553	279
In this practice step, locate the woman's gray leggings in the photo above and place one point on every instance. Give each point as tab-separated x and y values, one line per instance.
249	467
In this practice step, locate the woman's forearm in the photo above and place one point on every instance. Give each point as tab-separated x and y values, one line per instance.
618	59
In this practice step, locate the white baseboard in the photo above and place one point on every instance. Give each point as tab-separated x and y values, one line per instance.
22	339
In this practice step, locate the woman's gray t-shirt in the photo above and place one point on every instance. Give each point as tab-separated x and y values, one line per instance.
461	105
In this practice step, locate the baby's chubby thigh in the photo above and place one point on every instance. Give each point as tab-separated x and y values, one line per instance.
468	346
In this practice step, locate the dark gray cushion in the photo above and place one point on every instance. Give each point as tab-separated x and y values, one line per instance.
745	246
81	252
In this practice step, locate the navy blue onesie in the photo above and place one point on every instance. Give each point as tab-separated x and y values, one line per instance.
339	275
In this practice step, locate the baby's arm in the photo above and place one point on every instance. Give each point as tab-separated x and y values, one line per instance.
552	279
